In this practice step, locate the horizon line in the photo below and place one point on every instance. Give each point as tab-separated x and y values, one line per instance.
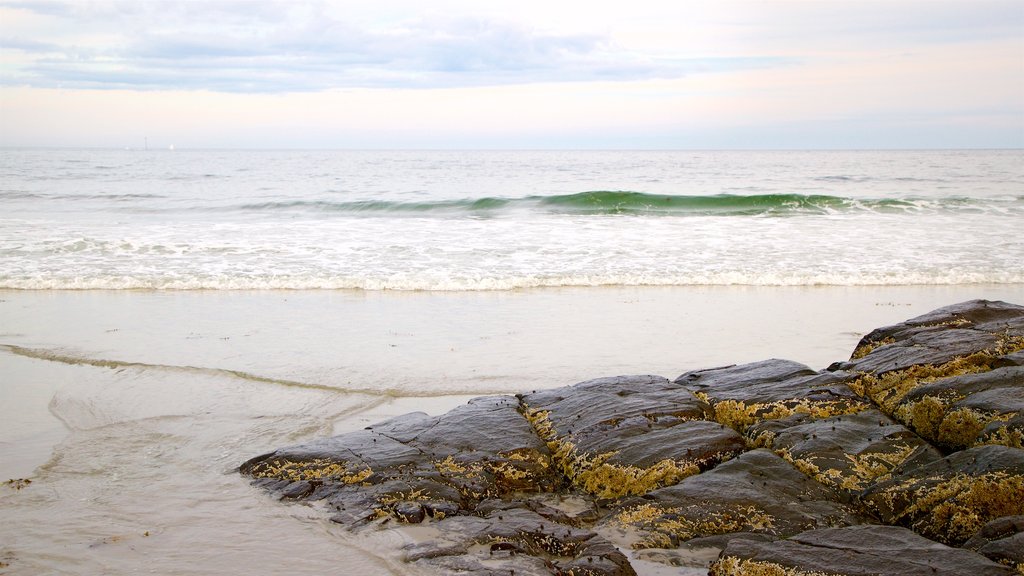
176	148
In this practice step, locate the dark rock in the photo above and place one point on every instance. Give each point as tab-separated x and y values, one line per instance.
965	338
757	492
299	489
783	469
984	315
1001	540
480	450
848	453
852	550
751	393
472	543
614	437
966	410
411	512
949	500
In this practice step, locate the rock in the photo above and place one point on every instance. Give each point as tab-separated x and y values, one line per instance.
614	437
965	338
956	412
471	544
852	550
783	469
752	393
411	512
480	450
848	453
757	492
951	499
1001	540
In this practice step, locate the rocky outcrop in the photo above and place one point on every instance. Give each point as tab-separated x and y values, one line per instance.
865	550
951	499
415	466
757	492
912	445
847	452
615	437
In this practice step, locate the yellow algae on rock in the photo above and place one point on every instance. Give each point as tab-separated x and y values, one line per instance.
1013	438
889	389
608	481
953	510
740	415
961	428
732	566
933	418
663	524
865	349
599	477
864	468
320	469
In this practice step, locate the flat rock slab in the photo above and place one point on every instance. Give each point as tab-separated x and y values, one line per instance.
853	550
848	453
614	437
757	492
951	499
1001	540
483	449
508	538
750	393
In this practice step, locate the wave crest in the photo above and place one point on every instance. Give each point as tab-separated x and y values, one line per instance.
602	202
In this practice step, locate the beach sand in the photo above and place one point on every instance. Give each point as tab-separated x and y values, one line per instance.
129	410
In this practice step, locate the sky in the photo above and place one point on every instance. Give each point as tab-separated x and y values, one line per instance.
637	74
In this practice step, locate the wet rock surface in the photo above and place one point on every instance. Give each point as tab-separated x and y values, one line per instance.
950	499
614	437
863	550
757	492
1001	540
904	459
849	452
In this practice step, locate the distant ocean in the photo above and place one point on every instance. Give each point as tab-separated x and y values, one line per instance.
501	220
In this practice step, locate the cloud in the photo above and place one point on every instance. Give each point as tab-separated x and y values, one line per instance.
276	47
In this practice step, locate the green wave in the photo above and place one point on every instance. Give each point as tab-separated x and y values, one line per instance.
638	203
719	204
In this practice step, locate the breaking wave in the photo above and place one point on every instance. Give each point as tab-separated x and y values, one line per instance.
642	203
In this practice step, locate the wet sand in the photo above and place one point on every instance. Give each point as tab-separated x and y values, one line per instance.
129	410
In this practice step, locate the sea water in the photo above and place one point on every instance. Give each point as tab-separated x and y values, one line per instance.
500	220
165	316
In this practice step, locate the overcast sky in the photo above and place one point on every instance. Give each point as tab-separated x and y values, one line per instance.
519	74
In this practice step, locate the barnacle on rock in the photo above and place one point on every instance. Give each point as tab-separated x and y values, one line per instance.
732	566
321	469
739	415
953	510
890	388
665	524
599	477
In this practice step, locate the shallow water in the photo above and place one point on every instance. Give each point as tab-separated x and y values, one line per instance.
130	410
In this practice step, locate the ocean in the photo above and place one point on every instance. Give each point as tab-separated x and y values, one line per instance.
502	220
167	315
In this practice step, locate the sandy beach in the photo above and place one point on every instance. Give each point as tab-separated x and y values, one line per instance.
130	410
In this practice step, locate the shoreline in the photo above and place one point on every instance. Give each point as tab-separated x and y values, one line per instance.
493	342
175	410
